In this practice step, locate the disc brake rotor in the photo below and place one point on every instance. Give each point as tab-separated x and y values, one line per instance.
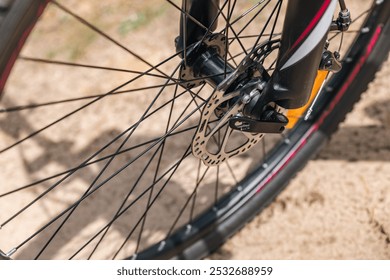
215	141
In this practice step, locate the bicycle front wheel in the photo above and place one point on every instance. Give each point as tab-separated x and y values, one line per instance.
97	127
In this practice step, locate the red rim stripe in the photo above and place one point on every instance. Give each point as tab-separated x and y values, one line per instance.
317	125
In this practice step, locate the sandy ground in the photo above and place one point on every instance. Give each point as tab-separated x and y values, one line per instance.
338	207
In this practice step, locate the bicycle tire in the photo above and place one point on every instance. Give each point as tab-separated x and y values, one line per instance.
210	229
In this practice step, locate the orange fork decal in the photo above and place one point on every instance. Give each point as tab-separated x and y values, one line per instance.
295	114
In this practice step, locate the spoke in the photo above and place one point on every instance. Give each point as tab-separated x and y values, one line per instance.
226	42
116	93
195	195
277	7
95	161
65	63
85	164
139	239
231	58
186	154
248	11
148	207
50	125
348	31
68	175
216	186
208	31
227	26
148	204
186	203
106	165
353	21
98	186
82	107
341	42
161	147
232	9
184	18
136	182
170	171
255	36
231	172
251	20
264	150
271	67
276	20
100	32
217	139
362	14
147	72
252	36
187	15
72	170
155	145
225	137
239	54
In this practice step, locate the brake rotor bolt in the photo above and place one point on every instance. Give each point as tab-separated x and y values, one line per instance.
261	86
246	99
255	92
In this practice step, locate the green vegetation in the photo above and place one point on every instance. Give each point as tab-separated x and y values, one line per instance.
141	19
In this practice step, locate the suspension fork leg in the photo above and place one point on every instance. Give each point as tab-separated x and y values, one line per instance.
205	62
199	19
305	28
303	39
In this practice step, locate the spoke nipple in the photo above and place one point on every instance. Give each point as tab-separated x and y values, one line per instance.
9	254
307	116
161	246
329	89
3	256
348	59
264	165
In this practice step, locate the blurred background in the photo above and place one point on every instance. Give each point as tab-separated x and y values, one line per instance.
338	207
